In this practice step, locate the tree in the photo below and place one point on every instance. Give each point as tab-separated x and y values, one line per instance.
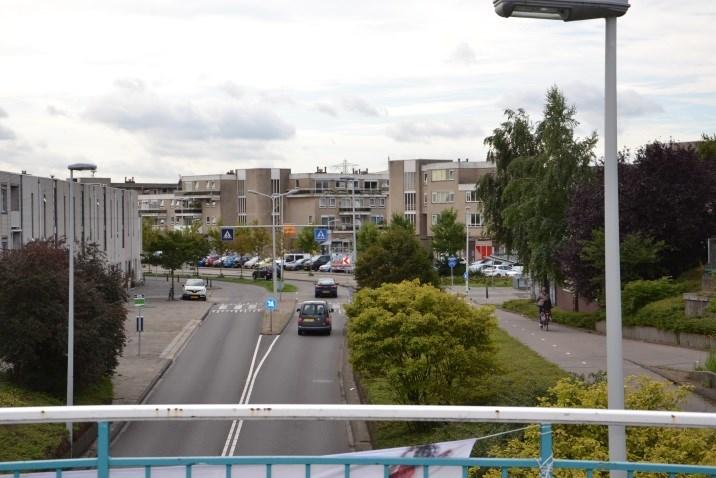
33	316
367	235
176	248
242	240
395	256
398	220
260	239
430	346
707	148
590	442
537	168
305	240
448	234
216	243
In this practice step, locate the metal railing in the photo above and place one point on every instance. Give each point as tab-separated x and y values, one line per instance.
545	417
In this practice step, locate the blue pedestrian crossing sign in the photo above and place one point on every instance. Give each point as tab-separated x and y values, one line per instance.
227	233
271	303
464	276
320	235
452	262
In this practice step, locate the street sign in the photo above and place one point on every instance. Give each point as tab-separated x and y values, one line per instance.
452	262
139	300
227	233
465	276
271	303
320	235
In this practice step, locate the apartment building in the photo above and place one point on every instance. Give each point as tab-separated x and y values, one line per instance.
333	200
420	189
155	201
37	208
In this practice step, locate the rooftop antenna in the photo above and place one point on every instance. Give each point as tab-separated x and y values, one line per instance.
343	166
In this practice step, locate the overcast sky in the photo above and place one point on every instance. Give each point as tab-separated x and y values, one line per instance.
160	88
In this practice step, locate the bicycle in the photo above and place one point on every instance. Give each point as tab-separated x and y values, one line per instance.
545	317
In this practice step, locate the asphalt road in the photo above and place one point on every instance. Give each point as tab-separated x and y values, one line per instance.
228	361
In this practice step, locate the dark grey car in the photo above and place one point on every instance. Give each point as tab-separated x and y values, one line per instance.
314	316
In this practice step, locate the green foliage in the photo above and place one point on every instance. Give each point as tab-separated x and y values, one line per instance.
448	234
33	316
242	241
260	239
523	377
590	442
216	243
639	256
395	256
528	308
366	235
638	293
305	240
431	346
710	363
707	148
398	220
525	202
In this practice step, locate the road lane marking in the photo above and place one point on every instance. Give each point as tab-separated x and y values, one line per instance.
235	429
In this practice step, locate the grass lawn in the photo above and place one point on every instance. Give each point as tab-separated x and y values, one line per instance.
39	442
524	376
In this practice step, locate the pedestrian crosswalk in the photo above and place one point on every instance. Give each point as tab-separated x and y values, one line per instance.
254	307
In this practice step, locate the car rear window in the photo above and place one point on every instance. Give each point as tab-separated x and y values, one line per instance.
326	282
313	309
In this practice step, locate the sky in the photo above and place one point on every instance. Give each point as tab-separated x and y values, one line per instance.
156	89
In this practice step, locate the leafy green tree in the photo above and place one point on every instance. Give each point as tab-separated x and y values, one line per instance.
707	148
430	346
260	239
176	248
33	316
366	235
537	168
590	442
305	241
216	243
448	234
242	240
640	257
398	220
394	257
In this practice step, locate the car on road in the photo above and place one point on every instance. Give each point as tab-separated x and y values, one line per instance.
326	287
194	289
314	316
502	270
266	272
319	261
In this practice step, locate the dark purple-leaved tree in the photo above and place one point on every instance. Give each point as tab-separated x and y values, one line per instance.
666	198
33	316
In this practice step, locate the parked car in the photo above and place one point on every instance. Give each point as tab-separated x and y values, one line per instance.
516	271
501	270
230	261
314	316
194	289
309	262
316	264
326	287
295	265
252	262
325	267
210	259
479	266
266	273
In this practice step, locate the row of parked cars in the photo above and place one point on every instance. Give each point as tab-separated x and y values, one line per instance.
292	262
495	268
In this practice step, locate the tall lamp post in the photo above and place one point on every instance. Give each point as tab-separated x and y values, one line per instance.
353	221
71	294
467	248
571	10
273	198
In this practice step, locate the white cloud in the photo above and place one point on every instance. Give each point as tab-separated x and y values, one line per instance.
463	54
325	108
360	105
425	131
6	133
3	113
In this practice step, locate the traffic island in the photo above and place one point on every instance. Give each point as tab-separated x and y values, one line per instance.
274	322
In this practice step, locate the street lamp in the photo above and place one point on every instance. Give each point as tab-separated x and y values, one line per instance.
570	10
467	248
273	198
71	297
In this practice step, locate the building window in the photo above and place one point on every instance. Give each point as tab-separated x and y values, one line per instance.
345	203
213	220
442	197
208	220
241	187
3	243
439	175
425	178
242	219
242	205
327	201
296	185
310	219
425	199
410	218
475	220
376	202
408	181
210	185
327	220
377	219
322	185
409	201
196	186
370	185
434	219
3	199
451	174
471	196
275	186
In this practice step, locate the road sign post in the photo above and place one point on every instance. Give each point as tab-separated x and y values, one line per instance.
227	234
271	304
452	262
139	304
320	235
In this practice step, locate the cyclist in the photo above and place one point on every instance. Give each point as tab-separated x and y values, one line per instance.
544	303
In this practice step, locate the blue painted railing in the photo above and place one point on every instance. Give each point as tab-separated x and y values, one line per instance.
545	463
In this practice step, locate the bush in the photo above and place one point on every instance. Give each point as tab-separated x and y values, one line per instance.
33	316
638	293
